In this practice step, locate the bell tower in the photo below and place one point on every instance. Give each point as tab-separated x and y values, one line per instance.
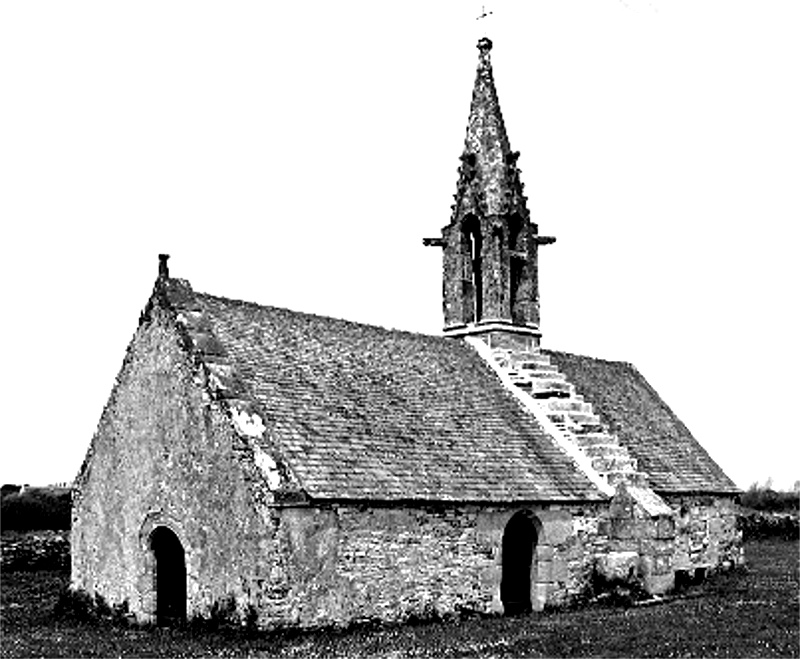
490	246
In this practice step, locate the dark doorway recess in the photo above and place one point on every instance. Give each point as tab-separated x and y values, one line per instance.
170	577
519	546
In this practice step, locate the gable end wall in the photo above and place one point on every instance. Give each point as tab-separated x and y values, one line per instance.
165	454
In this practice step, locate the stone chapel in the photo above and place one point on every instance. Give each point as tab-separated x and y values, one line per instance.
303	470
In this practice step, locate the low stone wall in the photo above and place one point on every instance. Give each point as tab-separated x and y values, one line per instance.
35	550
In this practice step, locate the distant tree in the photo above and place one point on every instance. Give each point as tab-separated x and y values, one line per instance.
36	509
9	489
766	499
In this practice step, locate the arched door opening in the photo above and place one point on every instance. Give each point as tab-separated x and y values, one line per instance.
170	576
519	547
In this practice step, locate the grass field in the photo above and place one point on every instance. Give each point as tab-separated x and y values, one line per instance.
742	614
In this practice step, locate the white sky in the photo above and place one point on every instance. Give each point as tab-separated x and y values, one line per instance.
296	153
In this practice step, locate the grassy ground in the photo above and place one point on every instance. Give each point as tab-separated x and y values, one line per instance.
743	614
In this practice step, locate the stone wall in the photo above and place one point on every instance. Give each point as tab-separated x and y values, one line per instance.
352	563
648	535
697	533
706	532
34	550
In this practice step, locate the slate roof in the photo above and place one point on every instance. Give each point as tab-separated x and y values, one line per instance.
652	433
362	412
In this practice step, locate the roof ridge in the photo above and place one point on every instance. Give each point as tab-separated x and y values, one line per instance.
311	314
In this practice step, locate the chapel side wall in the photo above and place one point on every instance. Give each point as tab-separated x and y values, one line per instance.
355	563
165	454
706	532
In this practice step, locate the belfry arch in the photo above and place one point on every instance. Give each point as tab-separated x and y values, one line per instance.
520	538
517	271
472	255
169	576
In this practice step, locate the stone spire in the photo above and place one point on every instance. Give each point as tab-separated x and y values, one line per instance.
490	245
489	179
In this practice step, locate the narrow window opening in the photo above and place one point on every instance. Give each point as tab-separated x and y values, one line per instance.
517	266
518	259
473	270
477	275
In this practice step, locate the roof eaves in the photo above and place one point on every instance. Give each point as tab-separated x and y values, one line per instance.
454	501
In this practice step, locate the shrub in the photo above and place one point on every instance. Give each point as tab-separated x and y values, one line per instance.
759	525
225	615
766	499
78	605
37	509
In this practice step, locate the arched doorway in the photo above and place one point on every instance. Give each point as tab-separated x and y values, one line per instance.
170	576
519	547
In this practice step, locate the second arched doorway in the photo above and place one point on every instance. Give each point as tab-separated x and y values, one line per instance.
170	576
519	550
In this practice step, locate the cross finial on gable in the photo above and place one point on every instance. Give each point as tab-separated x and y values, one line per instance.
163	267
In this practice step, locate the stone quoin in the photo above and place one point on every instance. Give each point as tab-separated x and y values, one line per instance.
303	470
